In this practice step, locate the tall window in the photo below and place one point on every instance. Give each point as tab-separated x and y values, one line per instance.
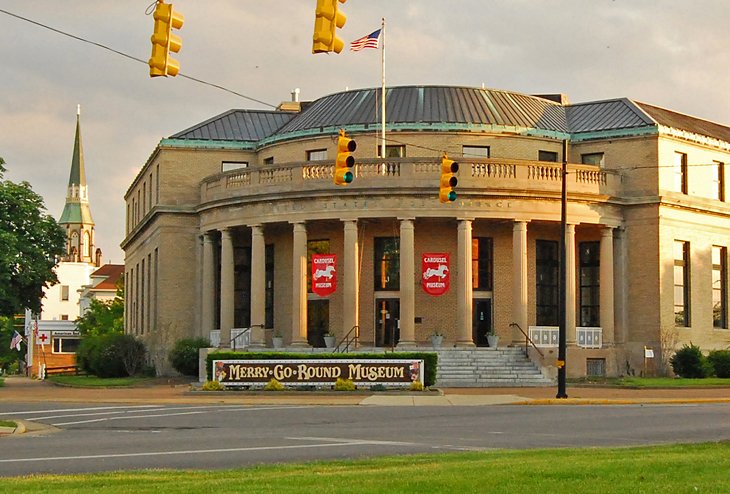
681	283
680	172
546	280
269	280
592	159
481	263
64	292
387	263
590	262
719	287
392	151
316	155
315	247
718	180
547	156
475	151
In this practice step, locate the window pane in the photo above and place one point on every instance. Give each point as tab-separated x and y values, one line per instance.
475	151
592	159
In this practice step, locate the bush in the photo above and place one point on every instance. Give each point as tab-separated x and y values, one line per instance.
689	362
344	385
416	386
274	385
184	355
720	361
110	355
213	386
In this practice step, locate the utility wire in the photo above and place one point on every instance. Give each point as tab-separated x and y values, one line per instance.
99	45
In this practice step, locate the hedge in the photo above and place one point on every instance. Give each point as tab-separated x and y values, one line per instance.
430	359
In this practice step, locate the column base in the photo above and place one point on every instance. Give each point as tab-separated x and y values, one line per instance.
300	344
465	344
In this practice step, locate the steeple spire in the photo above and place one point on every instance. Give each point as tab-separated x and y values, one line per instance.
76	216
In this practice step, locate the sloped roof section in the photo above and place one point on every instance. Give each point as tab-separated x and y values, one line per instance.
596	116
681	121
431	105
237	125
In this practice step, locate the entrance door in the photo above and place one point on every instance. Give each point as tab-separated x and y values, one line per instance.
318	321
481	320
387	315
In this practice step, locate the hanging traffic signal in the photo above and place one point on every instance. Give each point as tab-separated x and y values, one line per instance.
164	42
327	18
448	180
345	161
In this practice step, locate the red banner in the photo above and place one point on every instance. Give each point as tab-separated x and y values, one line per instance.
324	274
435	270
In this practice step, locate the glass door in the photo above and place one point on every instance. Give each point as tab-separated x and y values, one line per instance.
481	320
387	322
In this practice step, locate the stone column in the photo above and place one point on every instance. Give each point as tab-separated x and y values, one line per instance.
407	284
299	286
570	295
207	289
258	286
350	279
606	286
464	289
519	281
227	286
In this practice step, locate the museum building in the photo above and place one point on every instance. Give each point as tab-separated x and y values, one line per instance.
225	218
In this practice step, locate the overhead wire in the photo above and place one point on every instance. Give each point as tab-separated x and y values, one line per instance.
126	55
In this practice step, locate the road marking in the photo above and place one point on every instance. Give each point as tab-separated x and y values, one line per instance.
33	412
352	441
203	451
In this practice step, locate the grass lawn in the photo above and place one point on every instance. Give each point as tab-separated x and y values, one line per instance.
676	468
98	382
7	423
653	382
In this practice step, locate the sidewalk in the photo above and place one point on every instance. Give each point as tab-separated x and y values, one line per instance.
22	389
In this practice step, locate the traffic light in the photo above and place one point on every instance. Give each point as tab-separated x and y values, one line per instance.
345	161
327	19
448	180
164	42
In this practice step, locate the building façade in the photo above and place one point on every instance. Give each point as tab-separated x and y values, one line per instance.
224	217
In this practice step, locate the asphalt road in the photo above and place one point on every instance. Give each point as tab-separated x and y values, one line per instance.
98	437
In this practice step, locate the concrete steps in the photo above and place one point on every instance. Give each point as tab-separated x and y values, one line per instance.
486	367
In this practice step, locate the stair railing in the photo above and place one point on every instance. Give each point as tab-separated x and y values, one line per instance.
351	338
527	339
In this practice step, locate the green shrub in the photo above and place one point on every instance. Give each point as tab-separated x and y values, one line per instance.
111	355
213	386
184	355
344	385
690	363
274	385
720	361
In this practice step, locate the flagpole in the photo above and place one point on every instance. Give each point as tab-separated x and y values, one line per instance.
382	98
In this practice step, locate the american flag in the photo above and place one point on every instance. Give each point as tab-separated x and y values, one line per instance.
370	41
15	342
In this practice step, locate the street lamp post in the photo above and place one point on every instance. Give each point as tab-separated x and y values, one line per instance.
562	295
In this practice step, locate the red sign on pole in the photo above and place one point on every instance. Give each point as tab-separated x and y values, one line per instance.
435	270
324	274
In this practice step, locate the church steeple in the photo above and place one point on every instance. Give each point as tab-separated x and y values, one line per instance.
76	216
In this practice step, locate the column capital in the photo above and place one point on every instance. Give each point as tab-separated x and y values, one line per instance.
465	218
406	218
607	231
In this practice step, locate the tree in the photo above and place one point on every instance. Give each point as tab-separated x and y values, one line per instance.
104	316
30	242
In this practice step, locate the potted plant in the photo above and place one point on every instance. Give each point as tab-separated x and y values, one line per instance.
329	339
277	340
492	339
437	338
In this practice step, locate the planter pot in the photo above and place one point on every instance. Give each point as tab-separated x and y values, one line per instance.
493	340
278	341
329	341
436	340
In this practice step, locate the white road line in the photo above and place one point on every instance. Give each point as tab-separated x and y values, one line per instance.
198	451
350	441
33	412
193	411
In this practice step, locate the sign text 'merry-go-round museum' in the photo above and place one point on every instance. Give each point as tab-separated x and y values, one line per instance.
318	371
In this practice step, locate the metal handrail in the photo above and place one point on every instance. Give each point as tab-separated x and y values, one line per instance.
245	331
348	339
527	339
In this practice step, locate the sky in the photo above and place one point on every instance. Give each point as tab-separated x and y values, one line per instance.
669	53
